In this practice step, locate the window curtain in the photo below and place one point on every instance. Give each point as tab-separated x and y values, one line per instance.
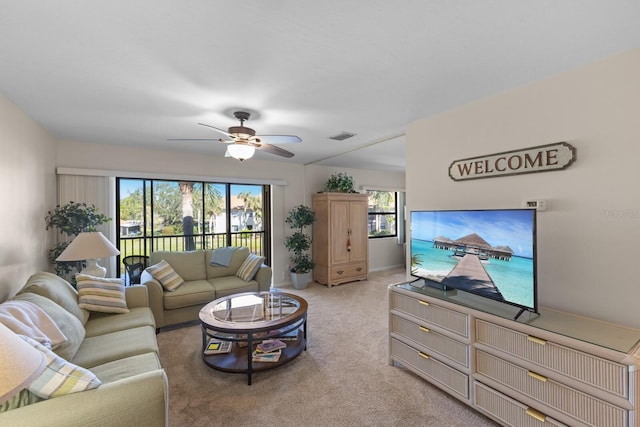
98	191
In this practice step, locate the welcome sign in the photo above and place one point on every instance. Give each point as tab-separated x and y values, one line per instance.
542	158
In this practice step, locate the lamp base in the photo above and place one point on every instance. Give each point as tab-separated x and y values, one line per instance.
93	269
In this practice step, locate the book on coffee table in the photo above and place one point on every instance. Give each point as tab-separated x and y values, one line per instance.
267	346
217	346
274	356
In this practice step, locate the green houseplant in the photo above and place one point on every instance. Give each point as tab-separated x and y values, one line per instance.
340	182
299	244
71	219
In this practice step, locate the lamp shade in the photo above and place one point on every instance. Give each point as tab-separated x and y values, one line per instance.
241	151
20	363
90	245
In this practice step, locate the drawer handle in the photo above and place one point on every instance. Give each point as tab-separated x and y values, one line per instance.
359	269
340	271
536	414
423	302
424	356
537	376
423	329
536	340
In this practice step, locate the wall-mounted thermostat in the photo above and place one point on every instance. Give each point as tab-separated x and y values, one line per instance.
539	205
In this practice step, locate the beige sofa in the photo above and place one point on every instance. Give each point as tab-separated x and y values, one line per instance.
120	349
204	282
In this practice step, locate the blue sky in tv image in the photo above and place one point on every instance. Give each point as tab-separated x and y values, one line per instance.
514	278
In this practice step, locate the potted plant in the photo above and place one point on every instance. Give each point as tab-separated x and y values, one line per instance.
299	244
71	219
340	182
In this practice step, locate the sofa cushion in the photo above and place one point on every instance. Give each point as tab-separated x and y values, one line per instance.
101	294
59	377
103	323
57	290
70	326
106	348
24	398
229	285
238	257
250	267
188	265
127	367
166	275
196	292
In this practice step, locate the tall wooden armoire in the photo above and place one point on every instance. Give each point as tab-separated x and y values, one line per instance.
340	237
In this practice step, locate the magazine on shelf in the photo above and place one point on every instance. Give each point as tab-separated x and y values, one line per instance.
268	346
274	356
217	347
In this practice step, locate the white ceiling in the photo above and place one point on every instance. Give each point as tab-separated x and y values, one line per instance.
141	72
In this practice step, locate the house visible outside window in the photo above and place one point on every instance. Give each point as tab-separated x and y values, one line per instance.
155	215
383	213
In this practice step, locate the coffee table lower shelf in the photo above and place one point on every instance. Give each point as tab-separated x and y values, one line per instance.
239	359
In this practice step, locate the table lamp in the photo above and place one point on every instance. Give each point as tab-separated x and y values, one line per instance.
89	246
20	363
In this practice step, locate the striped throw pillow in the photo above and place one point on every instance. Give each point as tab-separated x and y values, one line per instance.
59	376
250	267
101	294
166	275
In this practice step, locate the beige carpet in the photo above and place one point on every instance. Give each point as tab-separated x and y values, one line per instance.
343	379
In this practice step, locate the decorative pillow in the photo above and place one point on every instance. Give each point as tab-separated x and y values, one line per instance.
69	324
101	294
250	267
18	400
166	275
27	318
59	376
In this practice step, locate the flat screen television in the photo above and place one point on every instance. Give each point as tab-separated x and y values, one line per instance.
491	253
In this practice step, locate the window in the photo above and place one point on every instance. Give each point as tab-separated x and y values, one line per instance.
161	215
383	213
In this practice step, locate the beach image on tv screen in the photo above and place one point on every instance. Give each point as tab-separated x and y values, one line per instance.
486	252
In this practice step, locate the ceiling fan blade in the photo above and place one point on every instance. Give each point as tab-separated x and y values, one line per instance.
224	132
279	139
274	150
196	139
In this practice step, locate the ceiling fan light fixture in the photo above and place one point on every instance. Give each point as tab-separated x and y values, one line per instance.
241	151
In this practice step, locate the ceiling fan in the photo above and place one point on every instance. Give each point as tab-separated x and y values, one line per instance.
243	140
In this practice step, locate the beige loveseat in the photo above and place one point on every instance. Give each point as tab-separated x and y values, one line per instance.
204	282
120	349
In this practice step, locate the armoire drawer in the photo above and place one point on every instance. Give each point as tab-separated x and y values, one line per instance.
445	318
586	409
448	378
509	411
595	371
347	271
446	347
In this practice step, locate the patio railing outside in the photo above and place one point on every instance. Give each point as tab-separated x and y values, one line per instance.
142	245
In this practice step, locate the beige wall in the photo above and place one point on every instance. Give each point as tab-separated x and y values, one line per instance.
27	182
587	239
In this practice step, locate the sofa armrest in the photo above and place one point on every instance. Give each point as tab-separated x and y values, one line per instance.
140	400
155	291
263	277
136	296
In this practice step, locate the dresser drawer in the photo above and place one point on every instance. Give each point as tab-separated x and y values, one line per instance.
600	373
348	271
586	409
507	410
446	377
445	318
421	334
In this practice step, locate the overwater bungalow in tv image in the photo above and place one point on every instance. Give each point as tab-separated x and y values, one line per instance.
474	245
471	252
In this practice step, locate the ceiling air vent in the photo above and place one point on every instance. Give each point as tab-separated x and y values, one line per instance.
342	136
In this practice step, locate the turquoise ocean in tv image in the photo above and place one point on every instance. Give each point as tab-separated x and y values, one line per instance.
514	278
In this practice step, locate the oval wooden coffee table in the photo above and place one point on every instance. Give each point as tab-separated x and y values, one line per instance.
247	319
